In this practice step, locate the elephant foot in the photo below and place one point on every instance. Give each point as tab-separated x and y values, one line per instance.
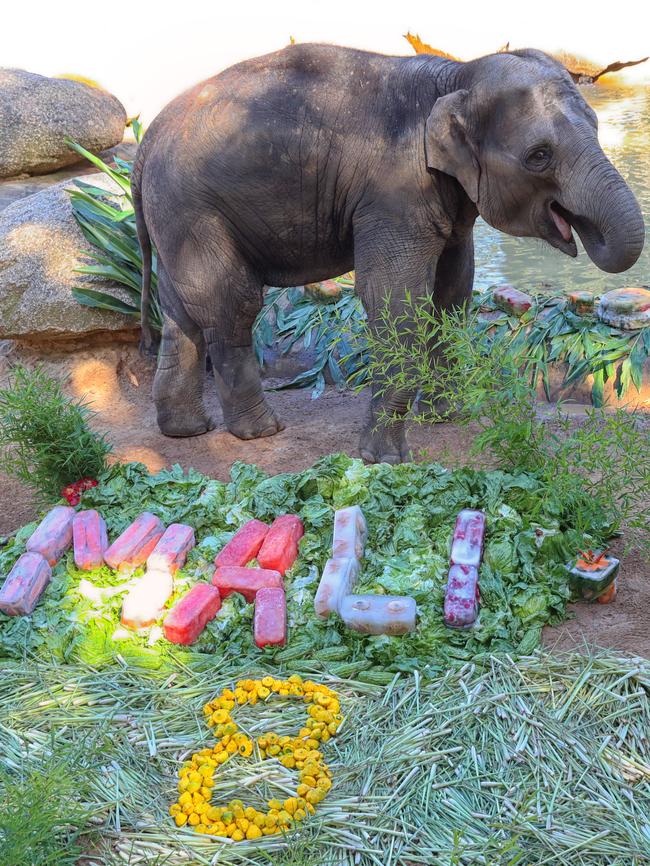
255	425
384	445
183	426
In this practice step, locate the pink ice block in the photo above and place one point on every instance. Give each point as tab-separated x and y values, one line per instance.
461	596
349	533
187	619
171	551
511	300
379	614
280	548
53	535
246	581
25	584
244	545
270	623
89	538
467	541
339	576
136	542
144	603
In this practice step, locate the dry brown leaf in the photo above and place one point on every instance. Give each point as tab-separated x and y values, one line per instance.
421	47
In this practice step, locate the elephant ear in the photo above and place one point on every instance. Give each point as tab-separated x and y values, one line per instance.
448	144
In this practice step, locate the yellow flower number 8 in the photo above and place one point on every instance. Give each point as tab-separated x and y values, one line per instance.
235	820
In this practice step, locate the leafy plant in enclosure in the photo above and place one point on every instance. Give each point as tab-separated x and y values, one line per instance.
551	333
335	330
45	439
107	220
606	455
43	821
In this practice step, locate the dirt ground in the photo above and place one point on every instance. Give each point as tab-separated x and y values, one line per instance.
118	382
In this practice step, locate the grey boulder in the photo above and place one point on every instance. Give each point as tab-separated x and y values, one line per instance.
37	113
41	245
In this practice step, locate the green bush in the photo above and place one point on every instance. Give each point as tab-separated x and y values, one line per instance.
42	818
45	440
486	384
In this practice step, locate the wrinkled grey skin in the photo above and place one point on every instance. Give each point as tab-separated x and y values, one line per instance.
303	164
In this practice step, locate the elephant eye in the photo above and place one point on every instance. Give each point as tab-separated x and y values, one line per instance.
539	157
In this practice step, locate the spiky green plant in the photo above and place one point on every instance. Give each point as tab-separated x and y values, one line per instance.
45	439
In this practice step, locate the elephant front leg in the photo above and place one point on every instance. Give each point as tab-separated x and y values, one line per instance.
387	266
246	413
383	438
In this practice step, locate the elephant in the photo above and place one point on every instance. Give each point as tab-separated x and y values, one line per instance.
302	164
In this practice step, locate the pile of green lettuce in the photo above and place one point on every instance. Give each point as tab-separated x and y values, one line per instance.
410	510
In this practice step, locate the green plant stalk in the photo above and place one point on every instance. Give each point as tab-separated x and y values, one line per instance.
45	438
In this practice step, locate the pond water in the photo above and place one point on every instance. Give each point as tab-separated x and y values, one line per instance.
624	133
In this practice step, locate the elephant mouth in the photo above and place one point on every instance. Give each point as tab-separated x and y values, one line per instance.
559	226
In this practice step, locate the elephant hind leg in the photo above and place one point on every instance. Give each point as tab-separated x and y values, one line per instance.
178	383
225	306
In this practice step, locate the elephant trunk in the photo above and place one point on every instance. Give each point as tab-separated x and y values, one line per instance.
604	212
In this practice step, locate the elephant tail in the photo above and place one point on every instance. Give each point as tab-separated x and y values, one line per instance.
146	340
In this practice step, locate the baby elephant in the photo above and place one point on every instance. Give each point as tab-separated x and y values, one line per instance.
306	163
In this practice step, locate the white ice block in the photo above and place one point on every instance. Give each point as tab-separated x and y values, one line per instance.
379	614
145	602
339	577
467	541
350	533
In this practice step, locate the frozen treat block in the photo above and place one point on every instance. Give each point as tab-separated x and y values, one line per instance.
187	619
512	301
25	584
244	545
270	624
338	580
590	580
461	596
144	604
280	548
246	581
171	551
379	614
467	541
136	542
53	536
89	539
350	533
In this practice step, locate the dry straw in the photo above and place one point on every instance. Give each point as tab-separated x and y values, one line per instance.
542	761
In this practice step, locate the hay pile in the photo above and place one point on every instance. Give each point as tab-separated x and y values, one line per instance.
542	761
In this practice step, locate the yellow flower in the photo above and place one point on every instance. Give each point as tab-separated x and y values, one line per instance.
253	832
180	819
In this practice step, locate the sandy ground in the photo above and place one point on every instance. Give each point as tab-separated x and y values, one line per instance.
118	382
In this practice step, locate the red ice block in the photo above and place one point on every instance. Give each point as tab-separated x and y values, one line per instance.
244	545
247	581
53	535
270	624
136	542
280	548
187	619
467	541
512	301
89	538
24	585
461	596
171	551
